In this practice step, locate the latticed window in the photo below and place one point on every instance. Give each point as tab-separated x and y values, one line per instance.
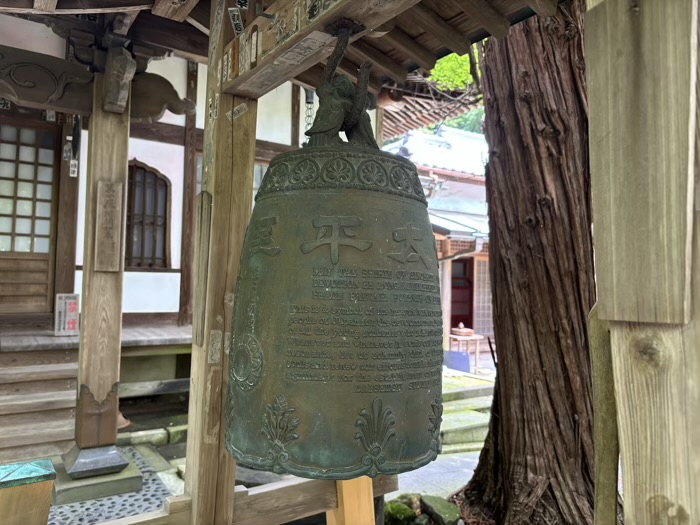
27	173
147	218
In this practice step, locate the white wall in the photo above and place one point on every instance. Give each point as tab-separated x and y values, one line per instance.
144	291
166	158
30	36
175	70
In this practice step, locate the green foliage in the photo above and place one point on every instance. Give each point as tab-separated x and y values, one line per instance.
452	72
472	120
396	513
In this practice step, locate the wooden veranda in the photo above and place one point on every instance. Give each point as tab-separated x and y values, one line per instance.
643	145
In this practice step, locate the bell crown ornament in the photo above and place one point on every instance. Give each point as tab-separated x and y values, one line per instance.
335	364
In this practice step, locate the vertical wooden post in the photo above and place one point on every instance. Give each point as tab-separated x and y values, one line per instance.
296	115
355	503
224	208
67	220
189	194
446	293
644	171
103	275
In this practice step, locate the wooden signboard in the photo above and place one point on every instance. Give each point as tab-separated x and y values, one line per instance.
108	226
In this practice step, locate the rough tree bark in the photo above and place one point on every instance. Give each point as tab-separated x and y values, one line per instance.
537	464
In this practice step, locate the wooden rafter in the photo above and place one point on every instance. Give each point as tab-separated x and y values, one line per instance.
543	7
398	39
281	55
175	10
75	7
199	17
183	39
381	61
483	13
441	30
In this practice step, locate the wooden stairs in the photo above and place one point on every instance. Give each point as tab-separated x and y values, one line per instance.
37	403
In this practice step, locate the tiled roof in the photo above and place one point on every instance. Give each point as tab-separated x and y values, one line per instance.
451	149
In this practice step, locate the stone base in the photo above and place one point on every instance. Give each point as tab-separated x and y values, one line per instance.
88	462
68	490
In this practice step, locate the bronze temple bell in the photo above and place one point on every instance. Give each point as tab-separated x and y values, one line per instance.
336	356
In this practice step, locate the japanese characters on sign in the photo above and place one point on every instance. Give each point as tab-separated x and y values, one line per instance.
67	316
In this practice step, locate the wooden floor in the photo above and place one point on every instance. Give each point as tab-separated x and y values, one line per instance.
13	339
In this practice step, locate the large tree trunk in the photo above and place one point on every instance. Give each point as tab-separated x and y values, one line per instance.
537	464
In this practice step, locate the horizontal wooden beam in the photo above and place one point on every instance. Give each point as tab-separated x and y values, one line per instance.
75	7
438	28
265	151
278	502
280	55
44	82
381	61
400	40
154	388
483	13
181	38
177	11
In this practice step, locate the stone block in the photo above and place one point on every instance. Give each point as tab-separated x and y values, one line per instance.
153	458
87	462
68	490
177	433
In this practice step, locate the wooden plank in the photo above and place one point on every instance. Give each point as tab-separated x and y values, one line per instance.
26	504
108	226
100	330
18	423
178	11
41	450
47	432
45	5
283	55
142	351
543	7
153	388
607	444
483	13
66	220
27	388
17	374
656	364
381	61
37	357
189	196
427	19
355	503
294	499
76	7
22	264
21	403
24	289
23	277
398	39
639	136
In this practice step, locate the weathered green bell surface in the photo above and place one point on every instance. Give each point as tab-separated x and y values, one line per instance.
336	355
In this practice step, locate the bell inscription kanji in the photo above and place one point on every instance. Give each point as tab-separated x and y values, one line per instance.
336	355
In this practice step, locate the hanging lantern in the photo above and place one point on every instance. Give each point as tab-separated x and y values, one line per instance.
336	355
